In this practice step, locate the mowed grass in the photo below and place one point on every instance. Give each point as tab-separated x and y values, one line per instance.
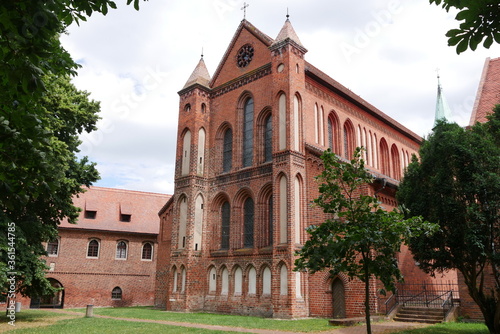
30	319
47	322
450	328
296	325
105	326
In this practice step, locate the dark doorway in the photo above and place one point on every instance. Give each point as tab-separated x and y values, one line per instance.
50	301
338	298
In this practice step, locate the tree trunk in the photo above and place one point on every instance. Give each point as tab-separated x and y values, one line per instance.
367	301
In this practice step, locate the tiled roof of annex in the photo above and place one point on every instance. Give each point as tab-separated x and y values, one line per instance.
118	210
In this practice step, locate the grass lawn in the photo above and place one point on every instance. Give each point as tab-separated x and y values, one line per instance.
450	328
46	322
300	325
99	325
31	319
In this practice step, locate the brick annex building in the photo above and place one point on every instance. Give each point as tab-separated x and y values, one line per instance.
248	149
109	257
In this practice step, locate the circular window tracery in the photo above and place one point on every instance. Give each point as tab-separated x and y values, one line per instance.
245	55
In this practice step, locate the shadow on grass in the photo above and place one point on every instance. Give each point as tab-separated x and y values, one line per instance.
106	326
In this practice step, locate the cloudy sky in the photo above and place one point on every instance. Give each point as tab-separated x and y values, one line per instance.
386	51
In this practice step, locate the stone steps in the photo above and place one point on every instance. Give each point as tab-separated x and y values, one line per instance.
420	314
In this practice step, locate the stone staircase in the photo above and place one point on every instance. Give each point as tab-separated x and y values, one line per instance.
426	315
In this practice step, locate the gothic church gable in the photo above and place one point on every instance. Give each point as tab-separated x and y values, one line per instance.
247	53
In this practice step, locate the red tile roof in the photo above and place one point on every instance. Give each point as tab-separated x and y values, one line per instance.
488	92
110	203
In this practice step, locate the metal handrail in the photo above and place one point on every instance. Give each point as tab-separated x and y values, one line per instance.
449	301
393	298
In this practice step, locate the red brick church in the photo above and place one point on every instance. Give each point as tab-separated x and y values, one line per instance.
248	149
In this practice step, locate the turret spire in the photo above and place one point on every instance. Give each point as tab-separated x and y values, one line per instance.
200	74
443	110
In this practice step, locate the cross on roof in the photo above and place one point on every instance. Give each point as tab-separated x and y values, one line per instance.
244	8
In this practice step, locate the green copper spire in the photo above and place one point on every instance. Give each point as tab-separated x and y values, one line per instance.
443	111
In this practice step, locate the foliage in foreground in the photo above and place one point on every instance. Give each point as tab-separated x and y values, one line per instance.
456	183
481	20
360	239
41	116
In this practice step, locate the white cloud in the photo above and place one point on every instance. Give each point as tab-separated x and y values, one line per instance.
136	62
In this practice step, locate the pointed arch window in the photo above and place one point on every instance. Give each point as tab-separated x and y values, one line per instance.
348	140
225	220
186	153
227	155
225	281
212	280
252	281
384	157
270	220
266	281
248	133
238	281
330	134
183	215
198	223
248	222
268	139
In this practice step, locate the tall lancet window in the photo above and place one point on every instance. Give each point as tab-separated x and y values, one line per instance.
227	155
248	222
225	227
248	133
268	139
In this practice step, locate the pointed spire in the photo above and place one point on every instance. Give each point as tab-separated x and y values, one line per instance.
443	110
200	75
288	32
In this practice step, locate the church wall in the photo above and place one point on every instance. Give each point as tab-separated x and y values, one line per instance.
209	278
163	257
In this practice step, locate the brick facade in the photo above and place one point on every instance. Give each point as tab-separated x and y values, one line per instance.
124	216
248	151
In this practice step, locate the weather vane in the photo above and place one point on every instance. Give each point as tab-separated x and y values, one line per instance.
244	8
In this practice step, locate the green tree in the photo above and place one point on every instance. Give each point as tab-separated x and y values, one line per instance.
456	183
39	175
481	20
41	116
360	239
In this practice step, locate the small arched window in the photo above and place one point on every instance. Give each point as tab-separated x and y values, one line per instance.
93	248
147	251
53	247
116	294
121	250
